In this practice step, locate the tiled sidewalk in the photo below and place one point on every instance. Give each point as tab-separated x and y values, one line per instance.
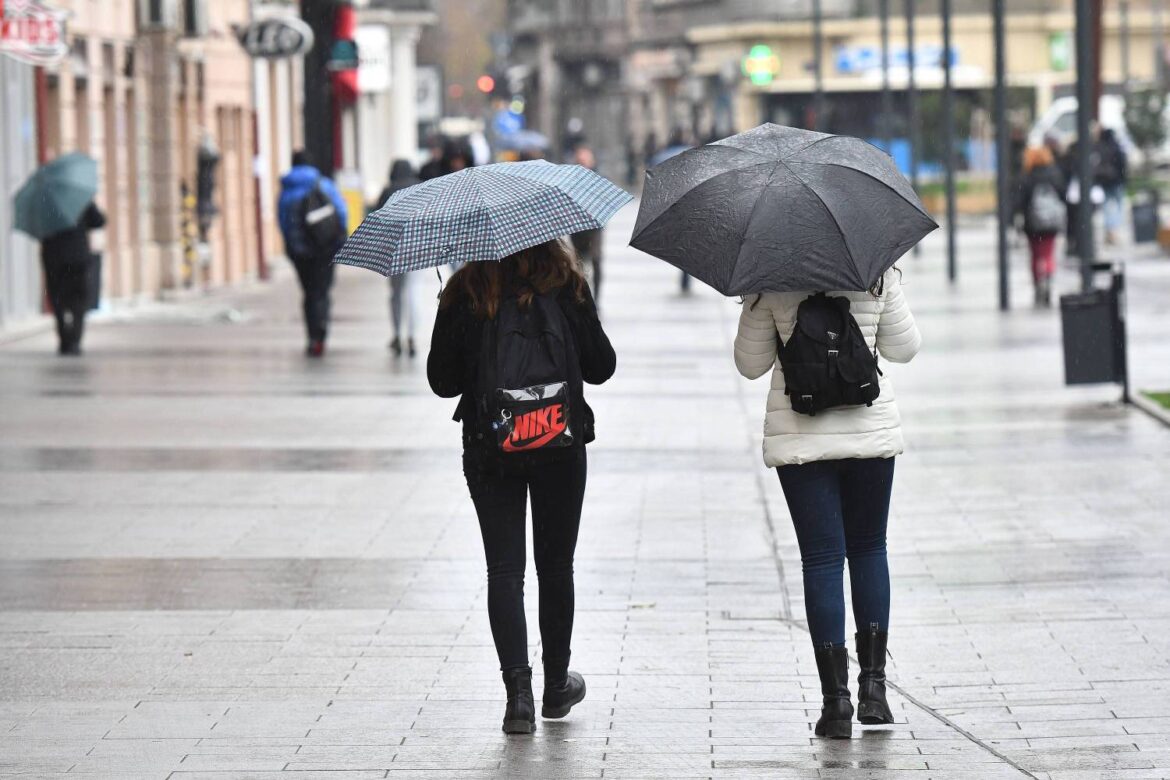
218	561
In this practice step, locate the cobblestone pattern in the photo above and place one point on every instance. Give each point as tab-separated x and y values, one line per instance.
217	561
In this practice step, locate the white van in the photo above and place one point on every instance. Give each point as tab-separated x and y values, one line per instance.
1060	121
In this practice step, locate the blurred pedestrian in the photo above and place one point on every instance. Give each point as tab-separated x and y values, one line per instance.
68	262
536	297
589	243
1040	203
457	155
836	469
1112	172
433	167
313	219
402	294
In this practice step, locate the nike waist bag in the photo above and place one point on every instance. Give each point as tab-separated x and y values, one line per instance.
529	382
826	362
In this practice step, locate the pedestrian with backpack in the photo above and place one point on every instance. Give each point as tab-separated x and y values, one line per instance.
1042	207
515	341
832	431
313	220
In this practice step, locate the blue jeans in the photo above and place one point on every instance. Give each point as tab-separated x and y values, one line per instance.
1114	207
840	509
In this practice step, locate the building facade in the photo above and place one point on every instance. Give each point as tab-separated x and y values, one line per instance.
189	132
20	273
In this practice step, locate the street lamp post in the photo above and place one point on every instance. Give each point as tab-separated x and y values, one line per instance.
912	100
818	66
948	111
887	109
1002	151
1086	102
1125	41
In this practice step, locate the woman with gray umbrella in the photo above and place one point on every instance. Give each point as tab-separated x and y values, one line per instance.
516	339
806	227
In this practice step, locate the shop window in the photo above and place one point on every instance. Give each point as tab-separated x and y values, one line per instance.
195	21
157	14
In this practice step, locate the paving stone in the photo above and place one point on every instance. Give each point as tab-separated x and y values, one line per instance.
219	561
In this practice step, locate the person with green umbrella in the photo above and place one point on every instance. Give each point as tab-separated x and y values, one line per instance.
56	207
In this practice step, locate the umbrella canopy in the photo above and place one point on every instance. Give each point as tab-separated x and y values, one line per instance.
663	155
780	209
483	213
54	197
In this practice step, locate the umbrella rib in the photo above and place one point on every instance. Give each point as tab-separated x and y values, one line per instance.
769	160
870	175
832	216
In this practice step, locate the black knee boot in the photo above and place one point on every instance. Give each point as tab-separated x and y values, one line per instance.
872	708
562	689
836	712
520	714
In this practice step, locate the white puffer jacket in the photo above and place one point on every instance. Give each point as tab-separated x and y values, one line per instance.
850	432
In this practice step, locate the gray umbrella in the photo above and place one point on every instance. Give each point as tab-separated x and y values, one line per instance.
480	214
779	209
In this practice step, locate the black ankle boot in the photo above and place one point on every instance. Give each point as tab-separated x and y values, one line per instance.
836	719
520	715
872	707
562	689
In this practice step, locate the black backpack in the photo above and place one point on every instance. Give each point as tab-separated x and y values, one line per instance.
529	388
320	224
826	362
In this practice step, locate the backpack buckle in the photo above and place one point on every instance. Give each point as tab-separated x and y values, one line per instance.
834	352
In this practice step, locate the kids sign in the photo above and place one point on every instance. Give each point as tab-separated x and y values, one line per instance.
32	32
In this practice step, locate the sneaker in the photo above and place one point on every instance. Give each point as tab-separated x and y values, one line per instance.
316	348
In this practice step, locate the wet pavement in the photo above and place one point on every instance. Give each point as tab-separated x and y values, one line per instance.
219	560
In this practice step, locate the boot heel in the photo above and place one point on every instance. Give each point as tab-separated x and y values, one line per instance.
835	729
517	726
873	713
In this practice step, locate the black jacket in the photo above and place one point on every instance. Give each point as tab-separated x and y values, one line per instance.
1112	162
1027	186
402	175
71	247
455	347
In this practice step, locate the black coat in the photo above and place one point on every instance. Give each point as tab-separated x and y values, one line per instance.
453	363
71	247
402	175
1027	186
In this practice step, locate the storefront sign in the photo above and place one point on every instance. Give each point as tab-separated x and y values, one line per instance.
373	45
429	82
761	65
862	59
1060	51
276	38
32	32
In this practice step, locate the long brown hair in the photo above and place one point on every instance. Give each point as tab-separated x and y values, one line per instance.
538	269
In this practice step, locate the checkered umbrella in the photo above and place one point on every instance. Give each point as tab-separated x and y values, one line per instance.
484	213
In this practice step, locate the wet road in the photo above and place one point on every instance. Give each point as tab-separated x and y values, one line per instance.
220	560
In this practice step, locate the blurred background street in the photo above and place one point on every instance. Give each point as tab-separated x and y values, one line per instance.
220	561
231	547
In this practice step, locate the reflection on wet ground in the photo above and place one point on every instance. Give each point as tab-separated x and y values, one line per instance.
220	560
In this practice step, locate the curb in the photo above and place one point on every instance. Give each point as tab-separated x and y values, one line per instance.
1153	409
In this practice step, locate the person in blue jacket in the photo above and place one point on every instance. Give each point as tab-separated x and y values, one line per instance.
312	235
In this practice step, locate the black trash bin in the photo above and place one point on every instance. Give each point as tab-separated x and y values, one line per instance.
1093	325
1145	217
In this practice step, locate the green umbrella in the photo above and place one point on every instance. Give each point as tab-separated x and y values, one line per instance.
54	198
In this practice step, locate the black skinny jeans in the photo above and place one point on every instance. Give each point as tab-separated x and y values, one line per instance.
557	491
840	509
